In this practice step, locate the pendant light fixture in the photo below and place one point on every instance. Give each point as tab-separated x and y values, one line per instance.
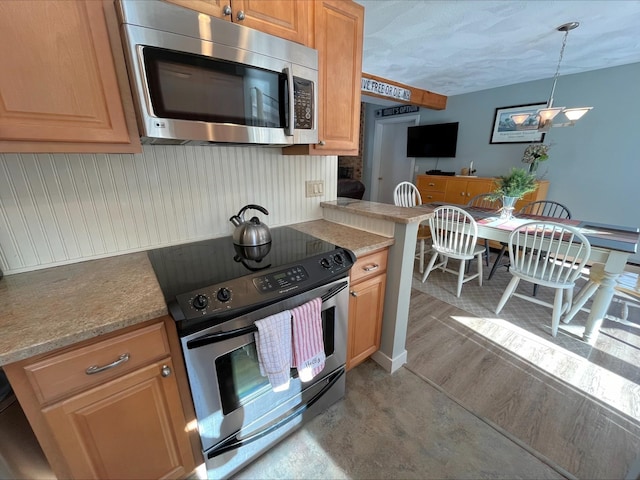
545	116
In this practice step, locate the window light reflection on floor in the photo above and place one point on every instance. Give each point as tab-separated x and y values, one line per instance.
567	366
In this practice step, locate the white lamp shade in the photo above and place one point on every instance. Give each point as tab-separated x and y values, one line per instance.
574	114
547	114
519	118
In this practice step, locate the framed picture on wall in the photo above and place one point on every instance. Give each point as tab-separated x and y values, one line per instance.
506	131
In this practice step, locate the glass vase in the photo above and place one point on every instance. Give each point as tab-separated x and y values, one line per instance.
508	205
533	167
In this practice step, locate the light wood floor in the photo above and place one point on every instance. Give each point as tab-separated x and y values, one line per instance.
572	429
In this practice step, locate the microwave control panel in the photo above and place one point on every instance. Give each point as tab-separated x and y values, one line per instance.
303	103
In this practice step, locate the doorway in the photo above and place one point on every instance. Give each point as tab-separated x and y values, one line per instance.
390	164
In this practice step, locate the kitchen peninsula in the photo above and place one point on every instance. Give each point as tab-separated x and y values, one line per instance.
401	224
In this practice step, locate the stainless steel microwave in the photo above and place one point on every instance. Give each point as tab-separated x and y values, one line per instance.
198	79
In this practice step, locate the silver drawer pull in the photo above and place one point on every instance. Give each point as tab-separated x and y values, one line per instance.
372	267
96	369
431	184
353	293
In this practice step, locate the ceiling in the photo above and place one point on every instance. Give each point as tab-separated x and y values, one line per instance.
460	46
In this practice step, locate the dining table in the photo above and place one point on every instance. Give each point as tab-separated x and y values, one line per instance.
611	245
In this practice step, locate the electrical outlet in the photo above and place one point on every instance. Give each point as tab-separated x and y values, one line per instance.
314	188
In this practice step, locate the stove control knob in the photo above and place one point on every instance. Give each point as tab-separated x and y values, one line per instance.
200	302
325	263
338	258
224	295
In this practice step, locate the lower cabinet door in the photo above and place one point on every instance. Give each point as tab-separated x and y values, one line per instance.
131	427
365	319
478	186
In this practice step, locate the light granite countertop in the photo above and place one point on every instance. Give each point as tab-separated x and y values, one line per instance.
382	211
52	308
358	241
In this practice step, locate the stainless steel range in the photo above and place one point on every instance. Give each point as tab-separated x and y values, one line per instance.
215	291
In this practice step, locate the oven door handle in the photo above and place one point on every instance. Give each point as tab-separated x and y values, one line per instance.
332	292
222	336
234	442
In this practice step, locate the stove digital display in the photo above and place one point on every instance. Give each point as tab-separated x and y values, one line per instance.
284	278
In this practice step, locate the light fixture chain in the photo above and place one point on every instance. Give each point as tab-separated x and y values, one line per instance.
555	77
564	44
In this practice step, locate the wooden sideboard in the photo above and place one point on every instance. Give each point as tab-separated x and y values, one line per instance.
459	190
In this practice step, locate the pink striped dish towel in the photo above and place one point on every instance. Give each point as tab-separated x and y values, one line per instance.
273	342
308	345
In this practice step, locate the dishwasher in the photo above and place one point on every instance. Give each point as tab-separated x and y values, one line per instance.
20	452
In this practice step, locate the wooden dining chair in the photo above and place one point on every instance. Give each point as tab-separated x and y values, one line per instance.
549	254
485	200
454	234
406	194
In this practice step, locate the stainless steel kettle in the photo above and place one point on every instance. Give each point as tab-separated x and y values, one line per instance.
250	233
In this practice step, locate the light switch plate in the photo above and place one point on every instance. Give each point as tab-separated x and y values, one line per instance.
314	188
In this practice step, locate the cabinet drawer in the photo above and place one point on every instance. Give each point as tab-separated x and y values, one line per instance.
432	197
66	373
432	184
369	265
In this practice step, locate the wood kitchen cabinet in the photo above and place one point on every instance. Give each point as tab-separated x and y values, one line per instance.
127	420
290	19
366	303
59	88
338	26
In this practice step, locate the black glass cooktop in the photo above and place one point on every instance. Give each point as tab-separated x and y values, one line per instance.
191	266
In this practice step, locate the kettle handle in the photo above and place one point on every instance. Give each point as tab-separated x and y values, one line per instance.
254	207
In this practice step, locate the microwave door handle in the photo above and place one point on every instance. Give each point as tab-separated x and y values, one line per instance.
289	129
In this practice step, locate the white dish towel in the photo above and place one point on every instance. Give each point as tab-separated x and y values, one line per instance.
273	342
308	344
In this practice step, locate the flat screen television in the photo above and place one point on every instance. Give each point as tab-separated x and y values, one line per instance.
439	140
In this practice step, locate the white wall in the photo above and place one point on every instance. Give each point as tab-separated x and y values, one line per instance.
594	166
63	208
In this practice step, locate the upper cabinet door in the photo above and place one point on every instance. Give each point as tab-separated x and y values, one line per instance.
59	90
339	32
290	19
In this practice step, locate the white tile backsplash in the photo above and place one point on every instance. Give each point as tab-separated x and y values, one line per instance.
57	209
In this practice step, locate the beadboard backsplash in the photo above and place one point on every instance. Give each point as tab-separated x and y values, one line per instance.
57	209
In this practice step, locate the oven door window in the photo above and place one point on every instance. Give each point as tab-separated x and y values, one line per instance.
184	86
238	371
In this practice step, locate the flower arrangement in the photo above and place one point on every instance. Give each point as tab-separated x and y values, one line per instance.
536	153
